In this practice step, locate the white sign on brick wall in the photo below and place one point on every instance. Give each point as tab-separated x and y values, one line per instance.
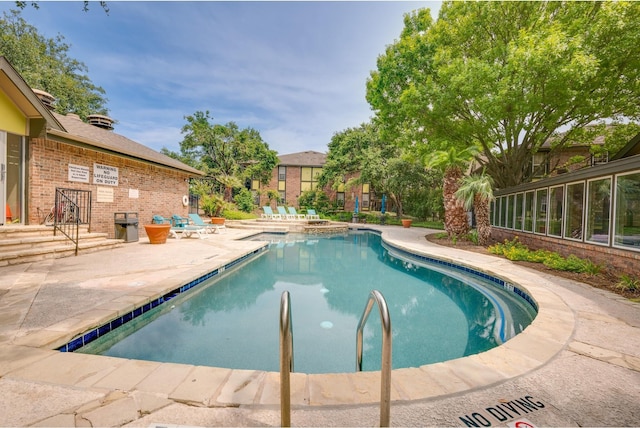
105	174
78	173
104	194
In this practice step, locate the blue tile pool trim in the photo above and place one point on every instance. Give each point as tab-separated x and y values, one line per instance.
95	333
508	286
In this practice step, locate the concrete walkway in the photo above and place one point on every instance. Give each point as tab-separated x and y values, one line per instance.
578	364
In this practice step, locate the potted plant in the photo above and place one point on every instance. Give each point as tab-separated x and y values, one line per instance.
406	222
157	233
212	206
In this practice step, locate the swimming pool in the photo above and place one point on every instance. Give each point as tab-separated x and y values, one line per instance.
233	321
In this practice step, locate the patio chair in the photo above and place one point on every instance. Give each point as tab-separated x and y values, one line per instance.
209	228
311	215
269	214
294	214
178	231
158	219
284	214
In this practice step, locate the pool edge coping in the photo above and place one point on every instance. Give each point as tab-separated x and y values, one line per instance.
531	349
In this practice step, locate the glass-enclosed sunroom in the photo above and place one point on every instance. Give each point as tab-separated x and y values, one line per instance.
592	211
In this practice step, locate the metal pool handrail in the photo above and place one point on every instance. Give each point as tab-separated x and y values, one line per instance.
286	359
385	381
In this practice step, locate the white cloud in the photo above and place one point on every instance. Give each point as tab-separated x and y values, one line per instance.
295	71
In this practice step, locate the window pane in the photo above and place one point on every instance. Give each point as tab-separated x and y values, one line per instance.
518	211
305	185
316	173
541	211
627	221
503	211
493	213
281	185
365	188
575	208
282	173
528	212
365	200
598	203
306	174
510	200
556	197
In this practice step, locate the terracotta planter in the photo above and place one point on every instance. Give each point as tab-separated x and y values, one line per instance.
217	220
406	222
157	233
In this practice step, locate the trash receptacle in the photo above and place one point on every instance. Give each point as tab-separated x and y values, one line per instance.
126	226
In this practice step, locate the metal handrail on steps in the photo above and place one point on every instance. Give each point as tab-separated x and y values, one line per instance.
385	382
286	359
72	207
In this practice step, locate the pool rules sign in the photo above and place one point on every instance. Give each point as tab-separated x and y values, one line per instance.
105	175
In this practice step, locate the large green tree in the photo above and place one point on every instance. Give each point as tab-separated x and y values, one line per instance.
228	154
44	64
509	76
362	152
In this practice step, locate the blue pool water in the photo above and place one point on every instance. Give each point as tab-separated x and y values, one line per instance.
233	320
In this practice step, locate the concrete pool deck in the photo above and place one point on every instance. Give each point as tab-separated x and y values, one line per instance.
578	364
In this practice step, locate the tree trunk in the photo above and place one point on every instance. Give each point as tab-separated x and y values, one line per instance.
483	223
455	216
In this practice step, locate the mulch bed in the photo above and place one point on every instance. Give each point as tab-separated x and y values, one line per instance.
605	280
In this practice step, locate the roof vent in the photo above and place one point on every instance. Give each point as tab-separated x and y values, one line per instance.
45	98
101	121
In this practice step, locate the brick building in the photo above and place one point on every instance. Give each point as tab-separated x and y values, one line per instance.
298	172
41	150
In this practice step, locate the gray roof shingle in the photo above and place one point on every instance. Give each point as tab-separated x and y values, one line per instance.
308	158
85	133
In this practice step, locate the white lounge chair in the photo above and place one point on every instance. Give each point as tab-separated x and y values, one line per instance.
180	227
269	214
208	227
294	214
311	215
284	214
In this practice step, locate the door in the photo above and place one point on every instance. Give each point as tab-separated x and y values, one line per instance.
11	177
3	172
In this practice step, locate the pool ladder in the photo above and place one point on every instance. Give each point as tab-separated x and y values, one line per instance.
286	355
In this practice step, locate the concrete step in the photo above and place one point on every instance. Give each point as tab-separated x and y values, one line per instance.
27	244
42	241
20	231
57	251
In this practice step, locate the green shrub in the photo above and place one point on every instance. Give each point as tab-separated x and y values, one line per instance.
628	283
244	201
231	214
516	251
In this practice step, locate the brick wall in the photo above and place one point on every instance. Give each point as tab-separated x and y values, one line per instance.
293	189
622	261
160	190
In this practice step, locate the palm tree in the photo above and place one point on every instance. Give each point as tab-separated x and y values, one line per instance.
477	191
453	162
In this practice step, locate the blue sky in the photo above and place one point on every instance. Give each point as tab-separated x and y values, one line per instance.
295	71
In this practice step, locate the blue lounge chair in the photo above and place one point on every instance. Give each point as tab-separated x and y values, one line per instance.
284	214
210	228
311	215
182	229
269	214
294	214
